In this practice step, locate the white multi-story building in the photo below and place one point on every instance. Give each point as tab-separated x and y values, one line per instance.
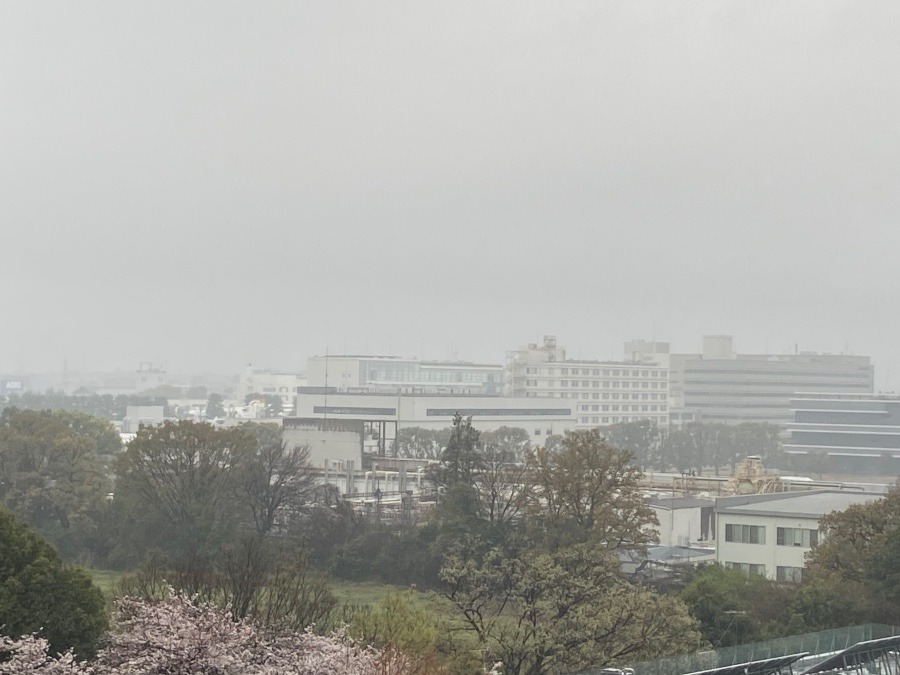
770	534
539	417
398	375
269	383
601	392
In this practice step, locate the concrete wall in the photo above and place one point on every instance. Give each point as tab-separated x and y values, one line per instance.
327	440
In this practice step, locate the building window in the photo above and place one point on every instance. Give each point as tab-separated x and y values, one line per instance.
537	432
792	575
595	420
745	534
747	568
797	536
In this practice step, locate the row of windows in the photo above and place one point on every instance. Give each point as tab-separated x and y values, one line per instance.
784	536
596	372
745	534
615	420
615	408
797	536
595	385
604	397
414	374
748	568
793	575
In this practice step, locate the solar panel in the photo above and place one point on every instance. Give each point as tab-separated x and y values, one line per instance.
761	667
859	654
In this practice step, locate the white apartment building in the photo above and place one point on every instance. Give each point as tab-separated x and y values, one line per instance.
399	375
600	392
770	534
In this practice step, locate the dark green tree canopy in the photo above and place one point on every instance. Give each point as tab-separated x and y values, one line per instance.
39	594
53	473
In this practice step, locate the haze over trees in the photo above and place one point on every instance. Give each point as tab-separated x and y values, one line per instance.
522	544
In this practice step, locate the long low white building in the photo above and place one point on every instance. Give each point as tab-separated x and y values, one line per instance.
539	417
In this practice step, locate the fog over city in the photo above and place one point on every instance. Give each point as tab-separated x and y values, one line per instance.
208	184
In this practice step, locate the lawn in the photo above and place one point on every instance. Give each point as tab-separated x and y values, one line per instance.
107	580
347	592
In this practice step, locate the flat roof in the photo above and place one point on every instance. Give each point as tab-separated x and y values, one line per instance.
680	502
812	504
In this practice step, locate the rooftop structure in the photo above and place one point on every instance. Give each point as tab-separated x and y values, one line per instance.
398	375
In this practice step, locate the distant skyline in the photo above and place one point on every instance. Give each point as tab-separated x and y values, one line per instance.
449	356
209	184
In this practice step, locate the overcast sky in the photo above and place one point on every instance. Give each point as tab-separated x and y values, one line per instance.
206	184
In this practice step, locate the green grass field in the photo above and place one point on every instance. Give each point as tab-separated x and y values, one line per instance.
107	580
347	592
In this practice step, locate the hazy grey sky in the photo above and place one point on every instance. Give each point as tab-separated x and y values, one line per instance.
205	184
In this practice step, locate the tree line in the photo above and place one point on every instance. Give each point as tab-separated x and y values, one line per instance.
522	547
696	446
